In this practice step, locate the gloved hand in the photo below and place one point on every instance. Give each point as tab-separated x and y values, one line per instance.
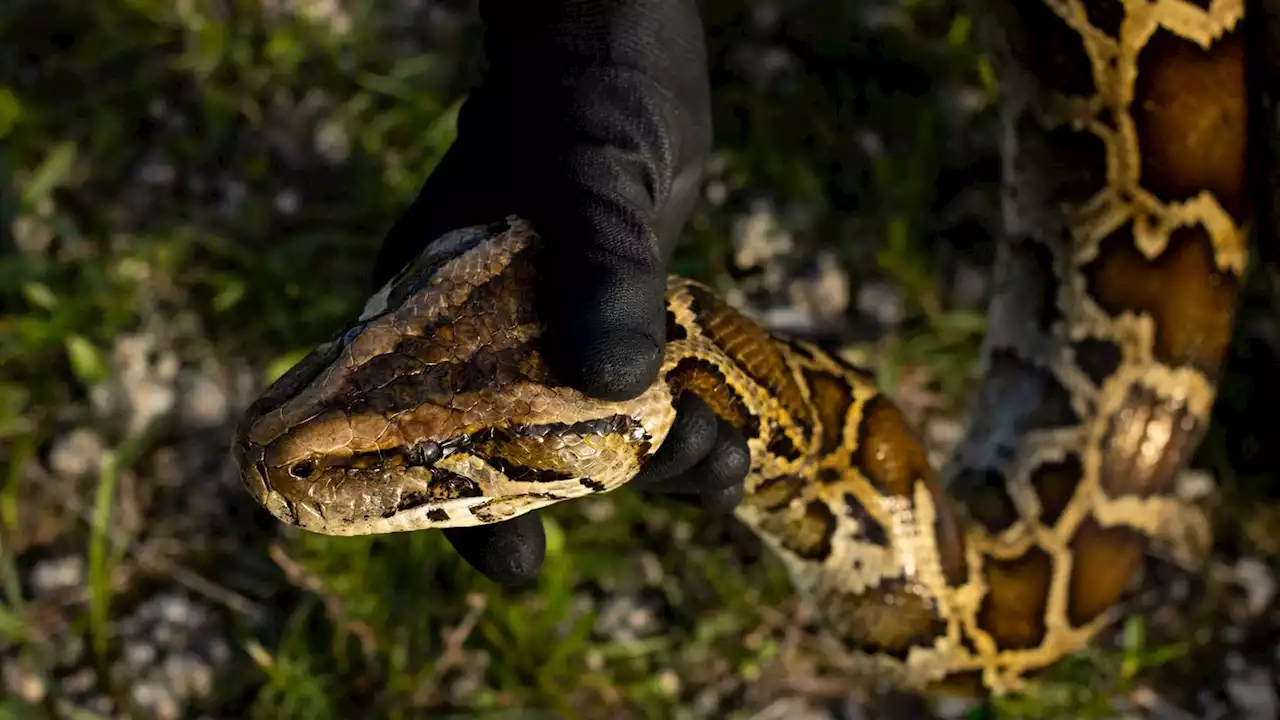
593	122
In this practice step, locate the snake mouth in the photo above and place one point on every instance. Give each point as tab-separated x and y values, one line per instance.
253	475
308	516
350	506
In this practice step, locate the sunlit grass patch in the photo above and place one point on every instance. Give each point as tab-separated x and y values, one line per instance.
1087	684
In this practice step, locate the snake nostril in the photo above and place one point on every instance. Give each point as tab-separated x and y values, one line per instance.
303	469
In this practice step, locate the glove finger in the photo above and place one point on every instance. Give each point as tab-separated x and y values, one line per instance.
616	182
594	123
604	317
692	437
726	465
722	500
509	553
713	500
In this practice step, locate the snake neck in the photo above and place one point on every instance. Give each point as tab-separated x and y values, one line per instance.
1121	257
840	486
1125	201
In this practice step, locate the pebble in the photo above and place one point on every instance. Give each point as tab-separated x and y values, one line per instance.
795	708
1258	582
951	708
969	287
941	435
823	295
668	682
597	509
21	681
626	617
76	454
1253	692
1194	484
881	301
80	682
57	574
156	170
287	201
173	652
758	237
141	388
332	141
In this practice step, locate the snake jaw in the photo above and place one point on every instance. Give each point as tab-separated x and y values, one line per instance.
254	477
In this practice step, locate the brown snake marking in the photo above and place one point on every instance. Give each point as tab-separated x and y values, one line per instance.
1125	203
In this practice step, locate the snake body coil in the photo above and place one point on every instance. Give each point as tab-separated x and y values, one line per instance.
1125	196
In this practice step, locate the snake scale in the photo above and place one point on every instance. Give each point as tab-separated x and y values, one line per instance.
1125	203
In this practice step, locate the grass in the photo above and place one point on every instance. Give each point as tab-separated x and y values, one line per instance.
1087	685
169	169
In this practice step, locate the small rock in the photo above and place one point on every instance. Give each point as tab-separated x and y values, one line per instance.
157	171
138	654
31	235
57	574
1254	694
788	319
141	389
668	682
178	609
80	682
625	617
953	708
870	142
824	296
20	681
287	201
98	704
1193	485
173	654
793	708
706	703
717	192
597	509
882	302
156	698
332	141
941	435
758	237
77	454
970	286
1258	582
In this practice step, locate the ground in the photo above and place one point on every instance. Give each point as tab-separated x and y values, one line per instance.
191	196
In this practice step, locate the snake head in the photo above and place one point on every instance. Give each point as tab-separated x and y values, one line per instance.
436	409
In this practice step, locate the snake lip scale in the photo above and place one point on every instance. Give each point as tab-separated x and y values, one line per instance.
1125	204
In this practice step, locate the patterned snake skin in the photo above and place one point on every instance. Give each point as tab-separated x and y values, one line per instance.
1124	126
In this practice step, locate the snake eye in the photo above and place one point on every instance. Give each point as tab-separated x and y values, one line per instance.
302	469
425	453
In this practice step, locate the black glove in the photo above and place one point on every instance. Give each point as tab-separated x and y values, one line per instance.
593	122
